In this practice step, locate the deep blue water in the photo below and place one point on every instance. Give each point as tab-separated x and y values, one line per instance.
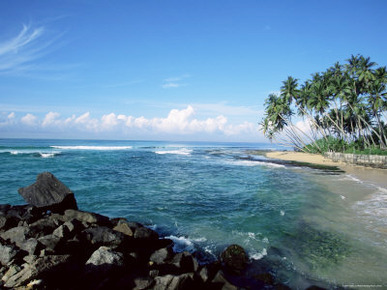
205	196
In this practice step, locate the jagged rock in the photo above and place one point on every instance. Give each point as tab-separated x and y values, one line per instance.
63	231
48	192
32	246
125	227
103	236
161	256
7	253
4	209
27	213
8	222
220	280
30	259
183	281
145	234
43	227
40	267
17	235
185	262
105	256
143	283
86	217
50	242
234	258
13	269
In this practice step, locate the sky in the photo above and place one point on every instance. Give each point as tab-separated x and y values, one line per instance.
179	70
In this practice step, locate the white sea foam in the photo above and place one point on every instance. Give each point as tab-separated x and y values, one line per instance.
374	208
33	152
258	255
102	148
282	213
182	151
48	155
349	176
256	163
185	244
181	244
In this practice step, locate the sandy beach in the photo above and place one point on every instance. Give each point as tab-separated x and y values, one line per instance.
374	176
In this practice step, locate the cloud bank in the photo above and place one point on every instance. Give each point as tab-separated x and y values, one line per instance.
178	123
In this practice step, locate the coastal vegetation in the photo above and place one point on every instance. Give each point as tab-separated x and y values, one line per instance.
342	109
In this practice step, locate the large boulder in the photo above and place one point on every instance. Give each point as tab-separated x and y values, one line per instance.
234	258
48	192
106	257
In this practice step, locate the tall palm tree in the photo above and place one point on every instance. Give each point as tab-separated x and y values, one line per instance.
289	89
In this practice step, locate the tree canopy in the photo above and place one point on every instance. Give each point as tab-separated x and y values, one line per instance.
341	107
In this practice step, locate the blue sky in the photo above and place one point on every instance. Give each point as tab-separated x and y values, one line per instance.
168	70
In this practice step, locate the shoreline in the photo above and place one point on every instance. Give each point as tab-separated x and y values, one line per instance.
369	175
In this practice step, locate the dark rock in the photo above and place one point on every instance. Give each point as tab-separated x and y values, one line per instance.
43	227
48	192
27	213
4	209
183	281
208	272
266	278
8	222
103	236
106	257
161	256
7	253
50	243
86	217
314	287
17	235
125	227
220	280
32	246
145	234
185	262
234	259
41	266
62	231
143	283
12	270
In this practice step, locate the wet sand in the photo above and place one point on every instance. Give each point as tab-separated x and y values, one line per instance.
377	177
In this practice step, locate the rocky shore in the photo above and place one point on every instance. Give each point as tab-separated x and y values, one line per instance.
51	244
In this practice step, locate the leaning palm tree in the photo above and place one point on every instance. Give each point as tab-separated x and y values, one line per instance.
347	102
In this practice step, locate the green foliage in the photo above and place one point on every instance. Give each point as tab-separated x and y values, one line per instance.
345	106
326	145
338	145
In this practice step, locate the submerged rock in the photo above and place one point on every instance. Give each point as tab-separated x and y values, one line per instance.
48	192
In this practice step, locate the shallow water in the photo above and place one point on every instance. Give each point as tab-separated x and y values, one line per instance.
307	226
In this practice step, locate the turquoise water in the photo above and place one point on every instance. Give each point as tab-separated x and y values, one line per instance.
306	226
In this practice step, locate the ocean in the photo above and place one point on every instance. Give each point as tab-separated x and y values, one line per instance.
306	226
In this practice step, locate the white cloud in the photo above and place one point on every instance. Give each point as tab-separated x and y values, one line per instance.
174	82
23	54
7	119
17	53
171	85
178	122
50	119
29	120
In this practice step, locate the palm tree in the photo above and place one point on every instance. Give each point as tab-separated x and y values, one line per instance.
345	101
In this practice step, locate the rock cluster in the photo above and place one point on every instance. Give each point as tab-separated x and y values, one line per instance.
53	245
